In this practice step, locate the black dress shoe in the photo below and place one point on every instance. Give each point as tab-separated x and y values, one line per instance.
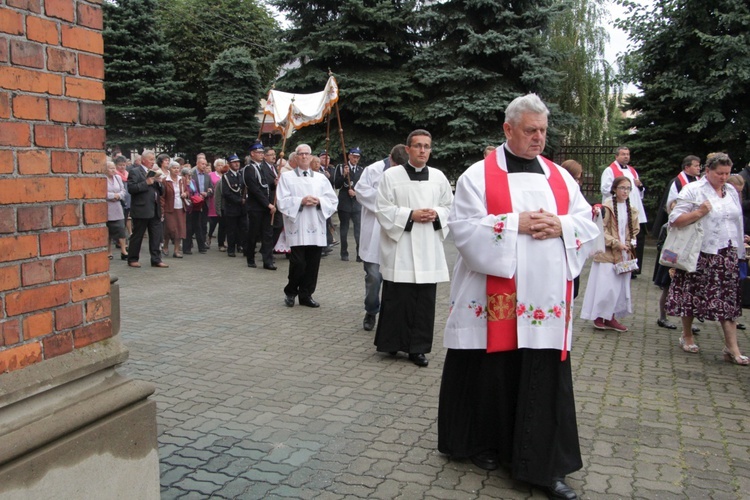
309	302
345	258
666	324
289	300
558	489
369	322
740	326
231	254
187	252
358	259
486	460
251	264
270	267
419	359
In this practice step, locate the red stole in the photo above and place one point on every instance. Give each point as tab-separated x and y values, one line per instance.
683	180
502	326
618	171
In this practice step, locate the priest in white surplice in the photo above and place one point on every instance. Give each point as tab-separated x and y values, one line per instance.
412	209
522	236
306	199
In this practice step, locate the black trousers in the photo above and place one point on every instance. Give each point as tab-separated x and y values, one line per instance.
154	228
259	228
344	218
304	262
197	222
235	226
213	222
640	241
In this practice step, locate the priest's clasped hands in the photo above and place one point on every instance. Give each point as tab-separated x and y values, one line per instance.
310	200
540	225
424	215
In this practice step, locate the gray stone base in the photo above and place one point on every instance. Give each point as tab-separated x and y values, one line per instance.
92	438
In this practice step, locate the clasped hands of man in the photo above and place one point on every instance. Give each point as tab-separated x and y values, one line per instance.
540	225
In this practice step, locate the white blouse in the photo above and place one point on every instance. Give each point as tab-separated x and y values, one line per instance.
722	226
177	191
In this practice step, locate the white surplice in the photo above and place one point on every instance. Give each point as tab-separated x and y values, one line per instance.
415	256
492	245
367	196
305	225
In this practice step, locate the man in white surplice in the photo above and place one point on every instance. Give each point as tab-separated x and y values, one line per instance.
306	199
515	406
413	204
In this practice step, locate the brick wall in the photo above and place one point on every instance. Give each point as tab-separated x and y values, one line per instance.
54	270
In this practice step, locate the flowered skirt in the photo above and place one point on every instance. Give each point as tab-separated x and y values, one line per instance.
712	292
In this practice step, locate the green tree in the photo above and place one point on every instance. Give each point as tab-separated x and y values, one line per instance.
143	101
692	65
478	56
233	99
589	89
367	44
197	31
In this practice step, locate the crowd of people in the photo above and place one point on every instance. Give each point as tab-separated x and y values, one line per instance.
523	231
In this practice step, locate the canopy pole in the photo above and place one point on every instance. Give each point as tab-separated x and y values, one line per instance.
283	147
343	147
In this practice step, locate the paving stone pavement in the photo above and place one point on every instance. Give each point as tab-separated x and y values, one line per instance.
257	400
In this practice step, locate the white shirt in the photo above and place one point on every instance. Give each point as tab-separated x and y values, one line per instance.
415	256
305	225
367	195
636	195
491	245
723	223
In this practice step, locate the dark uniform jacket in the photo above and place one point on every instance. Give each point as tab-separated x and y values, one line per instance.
145	199
232	193
347	203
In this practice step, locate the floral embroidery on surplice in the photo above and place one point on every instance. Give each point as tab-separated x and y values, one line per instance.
538	315
499	228
480	311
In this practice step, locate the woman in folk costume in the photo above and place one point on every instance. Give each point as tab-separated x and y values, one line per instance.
608	293
523	231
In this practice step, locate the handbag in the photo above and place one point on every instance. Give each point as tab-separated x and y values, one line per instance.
626	266
188	205
682	247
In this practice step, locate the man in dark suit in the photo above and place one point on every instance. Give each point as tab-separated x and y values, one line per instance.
233	205
200	184
345	179
145	210
260	179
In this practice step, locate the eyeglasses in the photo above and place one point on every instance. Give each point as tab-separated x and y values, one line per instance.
623	188
422	147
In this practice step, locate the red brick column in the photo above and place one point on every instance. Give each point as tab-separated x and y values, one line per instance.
54	270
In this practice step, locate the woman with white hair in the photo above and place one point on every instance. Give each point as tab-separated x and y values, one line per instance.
173	204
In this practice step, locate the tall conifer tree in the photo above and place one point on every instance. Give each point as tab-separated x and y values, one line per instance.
478	56
143	101
367	45
692	64
234	91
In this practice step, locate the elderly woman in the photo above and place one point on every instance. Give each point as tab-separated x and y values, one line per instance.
214	208
115	217
173	203
713	291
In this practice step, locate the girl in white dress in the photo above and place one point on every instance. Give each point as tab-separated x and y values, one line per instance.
608	293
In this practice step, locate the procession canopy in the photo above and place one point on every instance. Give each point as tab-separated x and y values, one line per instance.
294	111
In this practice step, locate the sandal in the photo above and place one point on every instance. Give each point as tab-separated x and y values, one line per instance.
737	360
691	348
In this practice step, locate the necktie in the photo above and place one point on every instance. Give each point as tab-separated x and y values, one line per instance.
305	173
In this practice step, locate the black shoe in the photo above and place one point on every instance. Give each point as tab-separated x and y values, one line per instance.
486	460
558	489
231	254
123	256
309	302
740	326
695	330
251	264
187	252
289	300
633	276
270	267
419	359
359	260
345	258
393	353
666	324
202	251
369	322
